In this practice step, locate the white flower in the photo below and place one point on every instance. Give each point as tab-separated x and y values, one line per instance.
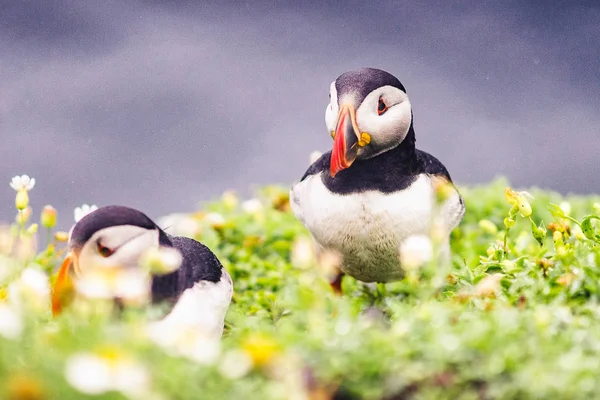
84	210
314	156
565	206
216	220
109	371
33	287
186	340
23	182
235	364
132	285
415	251
303	254
252	206
161	260
179	224
488	286
11	324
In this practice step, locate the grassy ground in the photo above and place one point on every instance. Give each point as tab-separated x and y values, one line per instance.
512	318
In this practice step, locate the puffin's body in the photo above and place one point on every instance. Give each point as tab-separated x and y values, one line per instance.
199	291
374	189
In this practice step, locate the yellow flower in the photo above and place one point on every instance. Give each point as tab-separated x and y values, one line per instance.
261	349
61	236
24	387
519	199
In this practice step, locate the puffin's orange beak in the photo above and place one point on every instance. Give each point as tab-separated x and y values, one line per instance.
345	140
62	292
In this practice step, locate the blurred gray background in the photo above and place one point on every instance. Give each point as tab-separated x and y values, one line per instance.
163	104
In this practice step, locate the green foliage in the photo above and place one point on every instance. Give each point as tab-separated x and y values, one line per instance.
516	315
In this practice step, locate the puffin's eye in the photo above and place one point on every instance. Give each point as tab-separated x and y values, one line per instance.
381	107
103	250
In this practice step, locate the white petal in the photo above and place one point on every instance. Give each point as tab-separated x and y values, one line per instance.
415	251
36	280
31	184
252	206
132	285
88	374
15	183
130	378
11	324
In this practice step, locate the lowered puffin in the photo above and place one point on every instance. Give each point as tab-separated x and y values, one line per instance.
200	290
374	189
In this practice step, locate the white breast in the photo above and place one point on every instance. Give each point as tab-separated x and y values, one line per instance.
367	228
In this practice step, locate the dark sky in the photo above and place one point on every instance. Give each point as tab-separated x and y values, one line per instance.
162	104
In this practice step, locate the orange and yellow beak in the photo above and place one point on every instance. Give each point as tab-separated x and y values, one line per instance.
347	139
63	292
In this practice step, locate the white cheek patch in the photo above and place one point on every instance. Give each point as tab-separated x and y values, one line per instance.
332	108
130	242
389	129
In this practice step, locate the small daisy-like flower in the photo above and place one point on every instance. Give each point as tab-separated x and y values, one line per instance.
235	364
130	285
303	254
109	370
22	183
11	324
216	220
33	287
252	206
314	156
489	286
186	340
82	211
161	260
415	251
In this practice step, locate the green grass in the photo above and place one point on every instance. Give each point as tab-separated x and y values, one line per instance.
514	322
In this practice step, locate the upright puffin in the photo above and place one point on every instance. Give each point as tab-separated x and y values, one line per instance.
374	189
200	290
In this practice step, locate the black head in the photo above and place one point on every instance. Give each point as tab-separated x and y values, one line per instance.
111	216
369	114
365	80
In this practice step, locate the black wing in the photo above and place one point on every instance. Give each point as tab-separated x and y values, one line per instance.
322	164
199	264
432	165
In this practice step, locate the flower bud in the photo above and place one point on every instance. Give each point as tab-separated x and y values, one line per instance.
488	226
524	206
23	216
22	199
539	234
509	222
61	236
33	228
48	218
